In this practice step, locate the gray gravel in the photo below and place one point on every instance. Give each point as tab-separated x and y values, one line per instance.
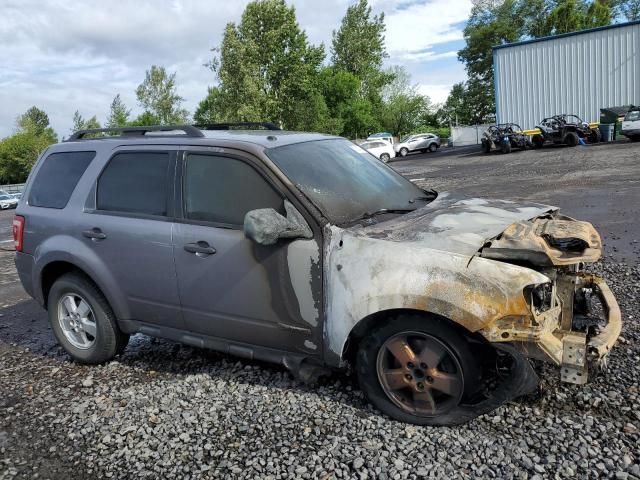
168	411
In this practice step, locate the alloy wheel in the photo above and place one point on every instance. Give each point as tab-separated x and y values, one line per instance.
77	321
420	374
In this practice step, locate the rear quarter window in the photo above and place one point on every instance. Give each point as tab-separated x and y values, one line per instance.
57	178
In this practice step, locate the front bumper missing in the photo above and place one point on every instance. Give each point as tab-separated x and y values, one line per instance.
553	335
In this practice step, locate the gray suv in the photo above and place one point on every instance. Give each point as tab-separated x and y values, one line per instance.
305	250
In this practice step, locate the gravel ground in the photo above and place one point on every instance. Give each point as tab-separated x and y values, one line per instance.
168	411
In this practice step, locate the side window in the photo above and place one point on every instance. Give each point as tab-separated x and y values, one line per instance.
222	190
135	182
57	178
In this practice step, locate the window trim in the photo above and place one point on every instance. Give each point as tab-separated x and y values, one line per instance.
170	186
181	180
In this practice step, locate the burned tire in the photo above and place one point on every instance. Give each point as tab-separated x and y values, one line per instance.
418	369
486	146
595	136
571	139
538	141
506	147
82	320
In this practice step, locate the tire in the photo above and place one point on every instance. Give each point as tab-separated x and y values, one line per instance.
433	147
385	157
596	136
456	363
506	147
404	151
571	139
635	138
486	146
537	141
104	338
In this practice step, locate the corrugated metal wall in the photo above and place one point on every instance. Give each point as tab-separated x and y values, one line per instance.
576	74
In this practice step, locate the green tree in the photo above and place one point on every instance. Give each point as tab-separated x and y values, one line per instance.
358	46
79	123
629	9
33	120
403	107
158	95
209	109
267	70
18	153
118	113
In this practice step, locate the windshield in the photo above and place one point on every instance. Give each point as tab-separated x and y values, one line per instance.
632	116
344	180
4	197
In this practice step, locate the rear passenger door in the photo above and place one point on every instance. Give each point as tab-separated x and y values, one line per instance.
231	288
129	226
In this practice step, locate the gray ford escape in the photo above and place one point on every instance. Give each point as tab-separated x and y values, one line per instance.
305	250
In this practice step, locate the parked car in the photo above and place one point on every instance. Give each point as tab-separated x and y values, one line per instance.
379	149
7	201
387	137
420	142
304	250
503	137
565	129
631	124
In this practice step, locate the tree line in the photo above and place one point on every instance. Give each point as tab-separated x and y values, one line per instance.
265	69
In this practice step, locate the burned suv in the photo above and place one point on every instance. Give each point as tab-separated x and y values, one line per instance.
305	250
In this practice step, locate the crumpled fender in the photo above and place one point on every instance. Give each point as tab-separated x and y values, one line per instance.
367	275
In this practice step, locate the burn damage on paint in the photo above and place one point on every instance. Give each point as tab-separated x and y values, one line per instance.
510	275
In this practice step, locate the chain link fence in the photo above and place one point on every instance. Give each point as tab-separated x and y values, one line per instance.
12	188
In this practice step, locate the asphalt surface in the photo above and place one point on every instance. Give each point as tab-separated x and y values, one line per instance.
41	390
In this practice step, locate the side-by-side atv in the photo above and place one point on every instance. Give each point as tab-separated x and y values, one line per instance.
565	129
503	137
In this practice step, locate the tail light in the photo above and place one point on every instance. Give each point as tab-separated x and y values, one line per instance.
18	232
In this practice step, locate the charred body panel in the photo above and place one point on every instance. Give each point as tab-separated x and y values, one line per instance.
518	286
565	129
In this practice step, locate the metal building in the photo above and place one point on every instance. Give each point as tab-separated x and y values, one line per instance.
576	73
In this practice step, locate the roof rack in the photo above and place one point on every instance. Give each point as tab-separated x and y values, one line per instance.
230	126
189	131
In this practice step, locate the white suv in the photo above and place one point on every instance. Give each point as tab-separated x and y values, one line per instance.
631	125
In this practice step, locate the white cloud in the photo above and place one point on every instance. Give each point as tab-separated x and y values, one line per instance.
63	56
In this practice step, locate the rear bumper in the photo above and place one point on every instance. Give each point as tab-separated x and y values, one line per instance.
24	265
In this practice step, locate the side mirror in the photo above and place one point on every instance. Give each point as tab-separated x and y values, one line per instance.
266	226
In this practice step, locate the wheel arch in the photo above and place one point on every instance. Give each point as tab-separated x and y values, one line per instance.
374	320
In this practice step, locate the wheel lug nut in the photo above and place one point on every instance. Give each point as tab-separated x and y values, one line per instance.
420	386
423	366
429	379
408	377
409	365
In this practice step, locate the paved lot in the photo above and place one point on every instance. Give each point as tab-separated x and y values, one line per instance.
169	411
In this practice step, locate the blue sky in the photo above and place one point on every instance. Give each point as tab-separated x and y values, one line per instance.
64	56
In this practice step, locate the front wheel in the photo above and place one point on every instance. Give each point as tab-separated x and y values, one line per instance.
404	152
506	147
538	141
572	139
82	320
417	369
385	157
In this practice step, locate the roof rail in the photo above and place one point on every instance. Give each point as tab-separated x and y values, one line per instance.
189	131
229	126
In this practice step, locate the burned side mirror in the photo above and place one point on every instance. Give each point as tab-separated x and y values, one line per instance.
266	226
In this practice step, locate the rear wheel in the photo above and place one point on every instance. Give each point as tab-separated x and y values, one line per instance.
595	136
83	321
433	147
404	151
486	146
417	369
385	157
571	139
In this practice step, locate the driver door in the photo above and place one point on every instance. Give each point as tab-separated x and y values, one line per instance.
230	287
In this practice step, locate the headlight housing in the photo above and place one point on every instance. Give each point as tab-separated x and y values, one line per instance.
540	296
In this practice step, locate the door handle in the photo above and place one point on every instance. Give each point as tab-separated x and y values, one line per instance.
201	249
94	234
